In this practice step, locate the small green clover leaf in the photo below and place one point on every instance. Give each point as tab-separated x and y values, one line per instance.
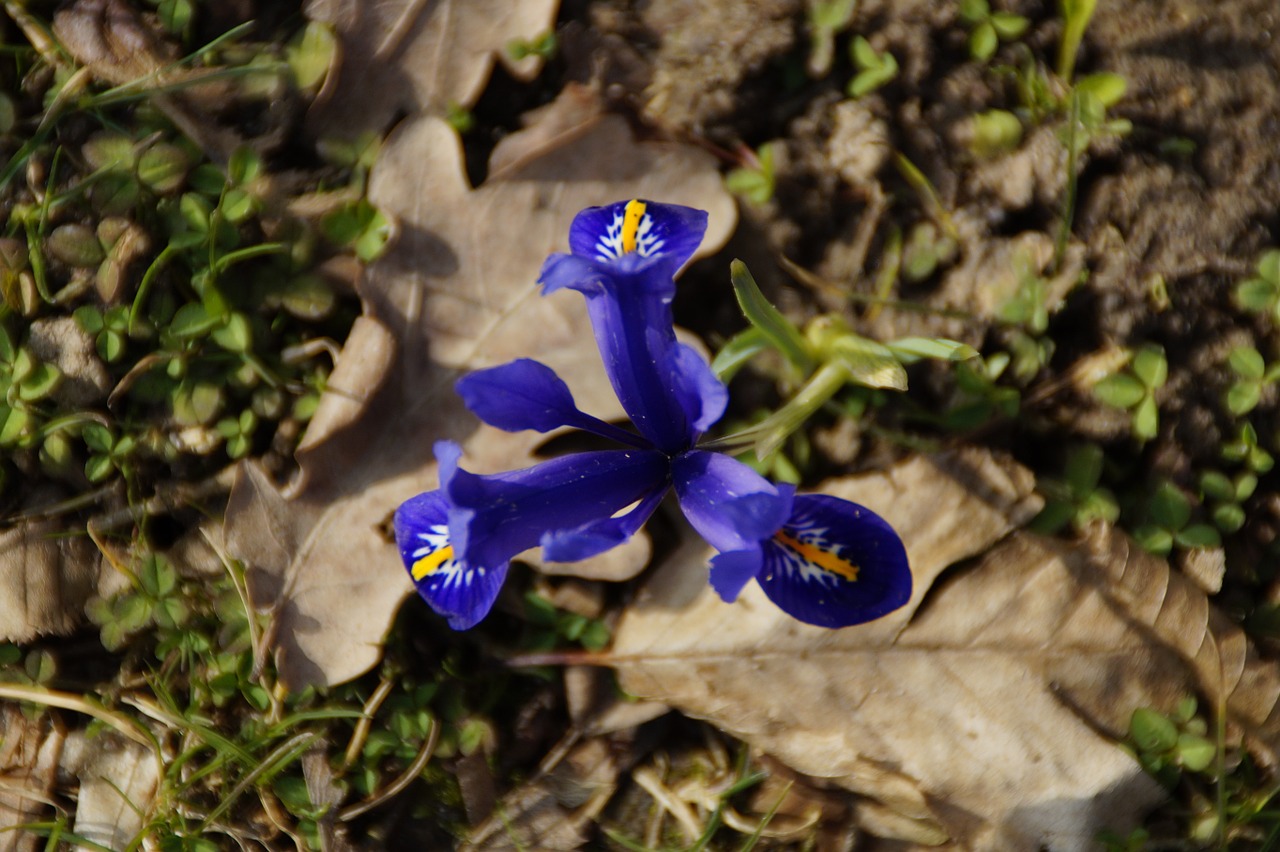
359	226
544	46
927	247
1167	745
988	29
1135	390
110	329
1253	376
1244	449
1227	497
108	453
1261	294
238	433
875	69
1077	499
1169	513
755	181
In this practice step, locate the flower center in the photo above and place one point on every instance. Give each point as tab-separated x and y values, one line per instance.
632	216
825	559
431	562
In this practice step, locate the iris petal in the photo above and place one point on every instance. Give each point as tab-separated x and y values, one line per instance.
835	563
492	518
729	504
527	394
646	229
462	594
597	537
730	572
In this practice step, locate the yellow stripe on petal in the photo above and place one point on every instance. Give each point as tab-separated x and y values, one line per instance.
632	216
824	559
431	562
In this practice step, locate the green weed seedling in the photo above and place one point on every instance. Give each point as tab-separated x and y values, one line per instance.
1244	449
824	359
875	69
994	132
1168	745
1078	498
1226	497
826	19
979	396
1261	293
1253	376
756	179
1135	390
1169	523
927	248
987	28
544	46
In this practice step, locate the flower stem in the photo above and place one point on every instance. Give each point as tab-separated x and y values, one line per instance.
767	435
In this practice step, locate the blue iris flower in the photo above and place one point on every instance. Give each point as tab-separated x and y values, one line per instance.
823	560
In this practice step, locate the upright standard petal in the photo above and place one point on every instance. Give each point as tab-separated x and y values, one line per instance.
835	563
527	394
493	518
729	504
623	262
461	593
645	229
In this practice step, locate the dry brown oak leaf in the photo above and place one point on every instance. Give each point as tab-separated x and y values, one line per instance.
985	711
409	56
456	292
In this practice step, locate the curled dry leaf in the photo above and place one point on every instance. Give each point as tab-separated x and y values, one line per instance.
29	753
45	579
411	56
985	710
456	292
118	781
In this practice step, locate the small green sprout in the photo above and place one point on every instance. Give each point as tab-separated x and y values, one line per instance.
1076	15
1077	499
979	395
1244	450
927	247
826	18
1253	376
987	29
1135	390
1167	745
155	599
108	452
238	433
828	353
1261	293
1227	497
359	226
875	69
993	132
1169	523
755	180
310	55
543	46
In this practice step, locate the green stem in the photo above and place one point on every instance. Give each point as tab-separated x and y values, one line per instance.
767	435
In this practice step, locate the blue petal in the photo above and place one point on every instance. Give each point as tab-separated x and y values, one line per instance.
463	595
493	518
835	563
526	394
729	504
731	571
646	229
595	538
668	391
702	395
